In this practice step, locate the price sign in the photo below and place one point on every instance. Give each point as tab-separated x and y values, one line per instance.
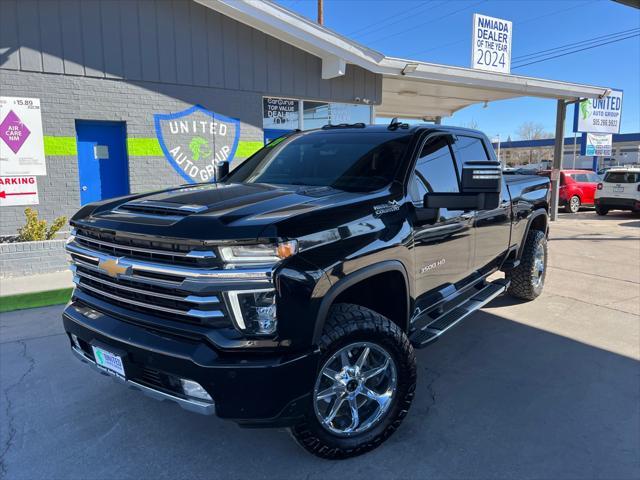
491	44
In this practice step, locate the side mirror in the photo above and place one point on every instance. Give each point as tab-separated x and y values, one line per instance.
481	185
221	170
481	177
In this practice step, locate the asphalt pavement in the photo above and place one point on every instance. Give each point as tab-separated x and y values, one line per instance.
547	389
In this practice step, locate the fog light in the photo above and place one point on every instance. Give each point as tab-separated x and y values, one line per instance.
255	311
76	342
194	389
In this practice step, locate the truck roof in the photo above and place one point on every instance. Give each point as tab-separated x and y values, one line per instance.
402	128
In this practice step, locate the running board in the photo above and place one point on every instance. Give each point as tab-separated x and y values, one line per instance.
430	332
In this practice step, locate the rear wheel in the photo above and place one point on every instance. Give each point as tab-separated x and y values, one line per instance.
527	279
601	210
364	387
573	205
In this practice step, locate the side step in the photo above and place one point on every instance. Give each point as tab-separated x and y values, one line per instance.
430	332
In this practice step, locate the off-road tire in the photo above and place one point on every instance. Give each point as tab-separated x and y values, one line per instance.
346	324
522	277
602	211
569	207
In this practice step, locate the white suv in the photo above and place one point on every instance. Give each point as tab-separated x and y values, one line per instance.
619	190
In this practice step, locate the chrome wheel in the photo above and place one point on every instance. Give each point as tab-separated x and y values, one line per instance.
574	204
355	388
538	266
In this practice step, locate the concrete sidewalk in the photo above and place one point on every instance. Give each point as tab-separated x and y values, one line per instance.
35	283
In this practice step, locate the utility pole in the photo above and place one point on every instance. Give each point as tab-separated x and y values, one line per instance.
321	12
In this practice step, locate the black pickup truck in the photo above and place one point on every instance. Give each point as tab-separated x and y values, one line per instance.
293	292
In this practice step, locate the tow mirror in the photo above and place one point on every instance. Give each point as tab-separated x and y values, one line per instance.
221	170
481	185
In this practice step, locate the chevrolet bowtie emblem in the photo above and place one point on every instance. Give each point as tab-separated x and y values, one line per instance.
113	268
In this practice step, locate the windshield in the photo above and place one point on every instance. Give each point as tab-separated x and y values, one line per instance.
354	161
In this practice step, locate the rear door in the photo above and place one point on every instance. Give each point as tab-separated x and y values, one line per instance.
443	247
587	184
492	227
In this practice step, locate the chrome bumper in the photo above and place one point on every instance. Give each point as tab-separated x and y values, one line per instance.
196	406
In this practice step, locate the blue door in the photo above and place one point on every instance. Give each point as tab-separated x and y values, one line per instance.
102	160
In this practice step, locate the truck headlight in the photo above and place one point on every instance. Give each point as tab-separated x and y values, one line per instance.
255	311
259	253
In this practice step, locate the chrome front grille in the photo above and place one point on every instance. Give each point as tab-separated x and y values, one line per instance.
162	251
185	294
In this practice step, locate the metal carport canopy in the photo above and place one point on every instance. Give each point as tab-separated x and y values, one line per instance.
433	90
410	88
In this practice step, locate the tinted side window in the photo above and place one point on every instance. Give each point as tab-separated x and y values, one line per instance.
435	166
580	177
469	149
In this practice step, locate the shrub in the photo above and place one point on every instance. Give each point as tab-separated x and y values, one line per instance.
36	229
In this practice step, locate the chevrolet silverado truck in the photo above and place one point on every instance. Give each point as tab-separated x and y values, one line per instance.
294	291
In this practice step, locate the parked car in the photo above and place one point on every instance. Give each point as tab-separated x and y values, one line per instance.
577	188
619	190
294	292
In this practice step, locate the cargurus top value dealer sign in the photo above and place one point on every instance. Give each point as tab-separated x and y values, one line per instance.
491	44
599	115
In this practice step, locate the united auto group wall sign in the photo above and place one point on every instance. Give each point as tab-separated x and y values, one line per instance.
194	139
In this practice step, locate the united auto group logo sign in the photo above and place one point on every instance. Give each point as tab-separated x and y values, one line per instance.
194	139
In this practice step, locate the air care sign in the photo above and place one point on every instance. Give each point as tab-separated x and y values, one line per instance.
599	115
21	140
18	191
491	44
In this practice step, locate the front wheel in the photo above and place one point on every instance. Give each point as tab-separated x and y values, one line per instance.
364	387
527	279
573	205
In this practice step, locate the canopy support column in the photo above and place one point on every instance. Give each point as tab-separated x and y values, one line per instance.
558	151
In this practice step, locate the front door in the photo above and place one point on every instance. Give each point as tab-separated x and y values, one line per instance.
102	160
443	247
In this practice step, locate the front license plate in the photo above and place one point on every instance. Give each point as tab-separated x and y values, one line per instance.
108	360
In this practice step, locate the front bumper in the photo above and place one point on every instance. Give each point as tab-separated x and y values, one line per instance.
251	389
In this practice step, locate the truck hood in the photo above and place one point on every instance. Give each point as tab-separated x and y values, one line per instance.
227	211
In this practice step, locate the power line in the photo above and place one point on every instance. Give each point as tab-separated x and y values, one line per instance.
576	51
385	23
524	22
568	46
422	25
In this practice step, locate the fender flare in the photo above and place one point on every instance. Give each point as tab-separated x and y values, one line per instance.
535	214
352	279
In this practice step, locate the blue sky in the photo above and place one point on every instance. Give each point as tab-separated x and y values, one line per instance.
439	31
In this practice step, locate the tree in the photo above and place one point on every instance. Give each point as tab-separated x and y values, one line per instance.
532	131
472	124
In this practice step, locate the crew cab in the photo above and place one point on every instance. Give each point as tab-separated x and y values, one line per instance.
619	190
294	291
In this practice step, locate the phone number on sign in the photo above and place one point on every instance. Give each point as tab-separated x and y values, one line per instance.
605	123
